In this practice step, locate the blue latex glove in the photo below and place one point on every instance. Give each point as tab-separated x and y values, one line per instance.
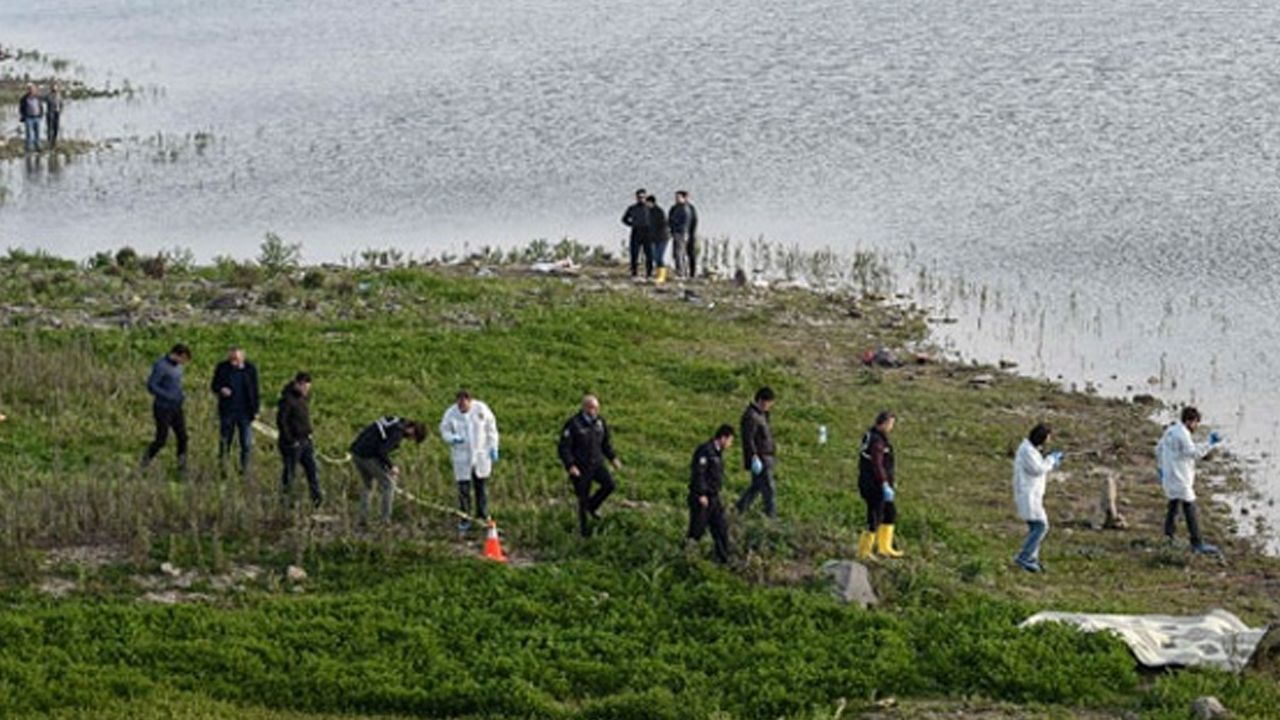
757	465
493	454
458	440
889	494
1215	438
1055	457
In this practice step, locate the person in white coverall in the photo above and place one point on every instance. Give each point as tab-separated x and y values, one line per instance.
471	432
1030	473
1176	456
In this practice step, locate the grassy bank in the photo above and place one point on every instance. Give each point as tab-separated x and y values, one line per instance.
629	624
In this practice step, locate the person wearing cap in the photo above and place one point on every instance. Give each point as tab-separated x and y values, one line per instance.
165	386
706	477
1176	456
470	431
758	449
877	486
293	420
371	454
584	447
1030	473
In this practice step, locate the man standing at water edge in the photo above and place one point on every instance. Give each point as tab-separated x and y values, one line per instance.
165	385
471	432
682	220
758	453
1176	456
31	110
53	113
235	384
637	218
584	446
706	478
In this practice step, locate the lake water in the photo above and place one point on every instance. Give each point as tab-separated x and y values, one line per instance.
1106	169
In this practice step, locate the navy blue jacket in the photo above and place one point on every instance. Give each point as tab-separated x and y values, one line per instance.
165	384
244	389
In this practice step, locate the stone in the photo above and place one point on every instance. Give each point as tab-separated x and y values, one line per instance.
295	574
1208	708
170	569
850	582
1266	656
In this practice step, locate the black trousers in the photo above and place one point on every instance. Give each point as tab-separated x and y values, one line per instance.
879	512
641	244
1171	520
482	497
710	518
303	453
692	247
52	121
168	419
589	503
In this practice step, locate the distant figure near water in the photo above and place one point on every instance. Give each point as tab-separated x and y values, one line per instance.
53	114
682	221
637	218
31	111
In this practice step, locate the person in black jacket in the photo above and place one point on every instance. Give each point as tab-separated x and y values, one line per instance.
584	446
293	420
660	237
876	484
682	221
758	453
235	383
371	454
706	476
637	218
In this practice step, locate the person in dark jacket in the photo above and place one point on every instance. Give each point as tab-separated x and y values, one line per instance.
165	386
637	218
371	453
877	485
682	221
235	384
584	447
660	237
758	453
53	113
30	111
706	477
293	420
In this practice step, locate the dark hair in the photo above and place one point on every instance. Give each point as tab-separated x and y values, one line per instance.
764	394
463	393
642	191
883	417
724	431
181	350
682	193
416	429
1190	414
651	199
1039	434
302	377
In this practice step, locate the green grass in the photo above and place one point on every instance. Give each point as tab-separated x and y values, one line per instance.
409	622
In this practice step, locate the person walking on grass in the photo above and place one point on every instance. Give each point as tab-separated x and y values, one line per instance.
235	384
1030	472
758	450
53	114
371	454
682	220
584	447
637	218
661	237
471	432
706	478
877	484
165	386
293	421
31	111
1176	456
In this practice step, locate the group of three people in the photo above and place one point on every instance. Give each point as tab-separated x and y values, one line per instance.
652	231
34	108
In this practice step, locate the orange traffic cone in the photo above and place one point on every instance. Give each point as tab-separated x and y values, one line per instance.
492	545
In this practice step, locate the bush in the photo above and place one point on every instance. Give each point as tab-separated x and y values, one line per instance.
277	257
314	279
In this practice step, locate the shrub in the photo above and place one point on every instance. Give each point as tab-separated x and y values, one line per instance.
277	257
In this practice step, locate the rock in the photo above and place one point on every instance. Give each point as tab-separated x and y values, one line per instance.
295	574
850	582
1266	656
982	381
1007	364
1144	399
170	569
226	301
1208	708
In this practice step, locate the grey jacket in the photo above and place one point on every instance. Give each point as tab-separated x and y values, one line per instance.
165	384
757	438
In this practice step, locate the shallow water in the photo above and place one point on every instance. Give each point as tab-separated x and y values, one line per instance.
1107	170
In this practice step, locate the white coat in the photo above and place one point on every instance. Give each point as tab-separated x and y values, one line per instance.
1030	472
479	432
1177	454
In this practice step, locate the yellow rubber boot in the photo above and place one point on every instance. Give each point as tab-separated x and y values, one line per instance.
884	542
661	275
866	544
